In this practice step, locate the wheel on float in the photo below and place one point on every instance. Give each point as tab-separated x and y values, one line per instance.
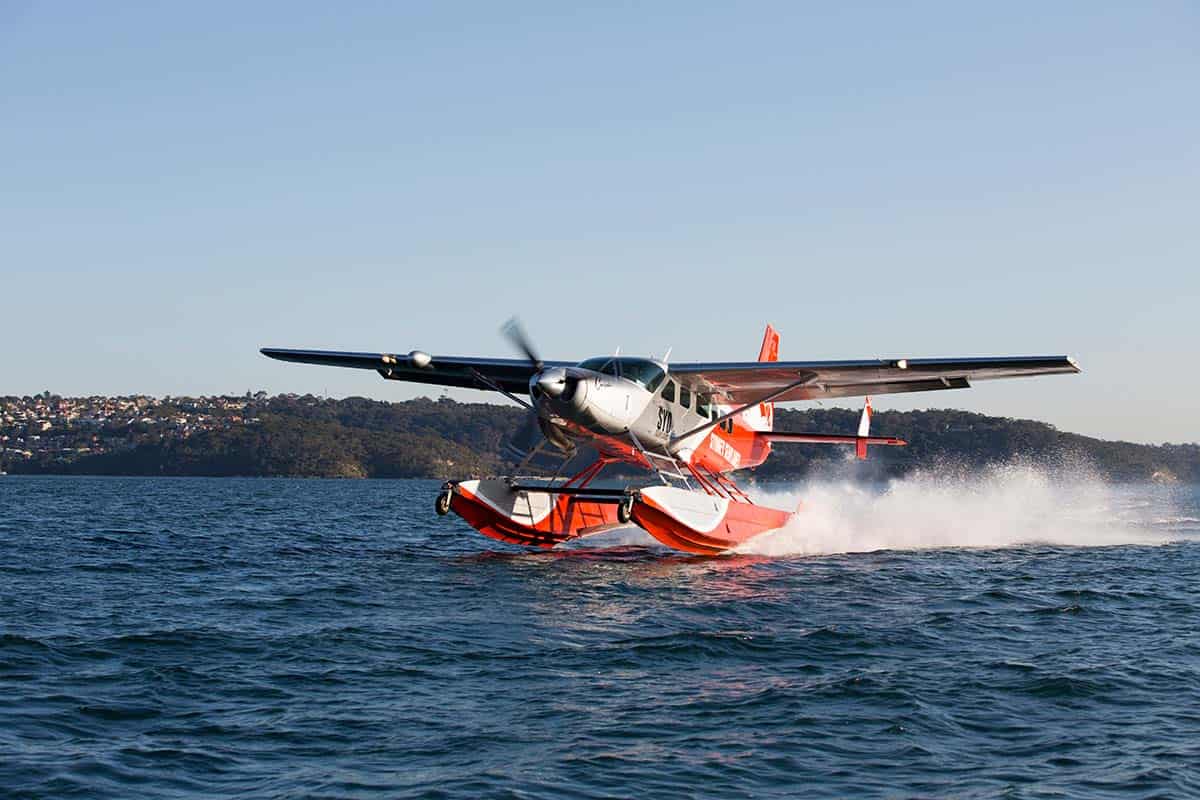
625	510
442	504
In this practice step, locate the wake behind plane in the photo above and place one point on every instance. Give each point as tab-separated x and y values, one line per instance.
687	426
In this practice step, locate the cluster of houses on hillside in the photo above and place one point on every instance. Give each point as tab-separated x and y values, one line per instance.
47	428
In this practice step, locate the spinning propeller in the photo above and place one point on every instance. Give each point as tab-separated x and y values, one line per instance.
553	381
549	381
516	334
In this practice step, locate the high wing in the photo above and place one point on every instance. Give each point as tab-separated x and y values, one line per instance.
746	382
510	374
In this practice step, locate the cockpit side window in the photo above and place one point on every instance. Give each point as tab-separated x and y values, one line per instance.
668	392
604	364
641	371
685	397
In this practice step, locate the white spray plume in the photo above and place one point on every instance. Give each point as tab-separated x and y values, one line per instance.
998	507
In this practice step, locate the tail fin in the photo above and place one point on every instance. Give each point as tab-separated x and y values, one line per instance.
864	431
770	346
769	352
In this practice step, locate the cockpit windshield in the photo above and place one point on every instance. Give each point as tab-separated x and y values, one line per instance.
639	370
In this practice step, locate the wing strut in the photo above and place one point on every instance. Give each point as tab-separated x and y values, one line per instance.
807	379
486	381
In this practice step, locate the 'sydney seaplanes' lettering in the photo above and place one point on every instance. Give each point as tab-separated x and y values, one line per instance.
725	450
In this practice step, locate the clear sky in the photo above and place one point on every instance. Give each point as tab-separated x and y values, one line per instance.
184	183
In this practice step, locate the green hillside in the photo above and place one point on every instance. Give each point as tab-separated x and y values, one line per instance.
309	436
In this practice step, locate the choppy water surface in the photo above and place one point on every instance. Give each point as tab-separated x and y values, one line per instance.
273	638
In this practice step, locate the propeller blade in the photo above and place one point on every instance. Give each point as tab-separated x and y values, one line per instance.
522	441
516	334
522	444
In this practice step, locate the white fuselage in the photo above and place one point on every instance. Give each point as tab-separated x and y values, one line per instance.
585	403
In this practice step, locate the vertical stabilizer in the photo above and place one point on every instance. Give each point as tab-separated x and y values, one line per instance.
770	346
864	430
769	351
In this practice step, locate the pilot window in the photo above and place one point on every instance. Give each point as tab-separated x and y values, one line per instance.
685	397
639	370
606	365
669	392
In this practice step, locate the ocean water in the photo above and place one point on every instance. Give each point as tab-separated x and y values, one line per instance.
1010	635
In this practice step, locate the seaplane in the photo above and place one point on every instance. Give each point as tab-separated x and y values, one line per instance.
683	428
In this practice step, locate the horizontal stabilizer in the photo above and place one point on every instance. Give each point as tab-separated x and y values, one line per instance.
828	438
861	441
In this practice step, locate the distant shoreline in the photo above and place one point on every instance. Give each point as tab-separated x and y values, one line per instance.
776	482
256	435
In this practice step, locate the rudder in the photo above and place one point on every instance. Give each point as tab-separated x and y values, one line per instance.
770	345
769	351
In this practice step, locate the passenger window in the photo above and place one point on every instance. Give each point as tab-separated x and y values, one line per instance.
704	406
685	397
669	392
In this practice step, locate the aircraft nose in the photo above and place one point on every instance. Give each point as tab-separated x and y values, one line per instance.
552	382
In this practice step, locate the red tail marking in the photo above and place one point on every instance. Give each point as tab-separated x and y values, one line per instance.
769	351
770	346
864	431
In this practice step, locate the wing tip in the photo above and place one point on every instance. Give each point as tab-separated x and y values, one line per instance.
277	353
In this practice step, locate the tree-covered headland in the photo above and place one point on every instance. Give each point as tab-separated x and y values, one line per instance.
290	435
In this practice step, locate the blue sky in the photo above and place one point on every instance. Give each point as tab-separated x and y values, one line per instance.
182	184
